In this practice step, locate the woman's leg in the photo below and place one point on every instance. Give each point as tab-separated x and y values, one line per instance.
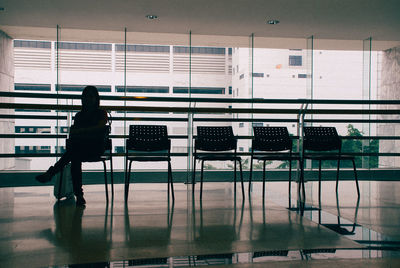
76	173
53	170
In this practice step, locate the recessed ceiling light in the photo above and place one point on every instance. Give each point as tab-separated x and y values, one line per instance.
152	17
272	22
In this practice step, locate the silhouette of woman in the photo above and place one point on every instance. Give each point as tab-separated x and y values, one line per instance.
86	141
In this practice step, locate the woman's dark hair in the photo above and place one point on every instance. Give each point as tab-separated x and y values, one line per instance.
91	90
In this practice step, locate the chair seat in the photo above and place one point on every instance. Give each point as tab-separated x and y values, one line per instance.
276	156
328	156
217	157
149	158
96	158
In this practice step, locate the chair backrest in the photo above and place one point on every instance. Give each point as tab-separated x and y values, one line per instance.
215	139
148	138
321	139
271	139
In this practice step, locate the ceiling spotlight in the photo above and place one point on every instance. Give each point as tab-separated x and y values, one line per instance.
152	17
272	22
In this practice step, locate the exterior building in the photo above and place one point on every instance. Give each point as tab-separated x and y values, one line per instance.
166	71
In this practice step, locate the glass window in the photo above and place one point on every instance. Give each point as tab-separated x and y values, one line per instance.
84	46
143	48
32	44
199	90
79	88
295	60
258	74
34	87
200	50
142	89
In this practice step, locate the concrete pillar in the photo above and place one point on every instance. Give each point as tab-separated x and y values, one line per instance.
7	126
389	89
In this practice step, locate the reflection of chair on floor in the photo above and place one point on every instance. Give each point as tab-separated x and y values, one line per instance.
217	144
217	225
323	140
149	143
340	227
272	143
273	231
149	229
75	233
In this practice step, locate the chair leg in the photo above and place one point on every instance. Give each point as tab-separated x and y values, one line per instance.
251	173
127	181
290	181
201	179
263	187
171	180
319	182
126	174
194	175
241	178
105	179
355	177
112	177
337	175
234	175
301	163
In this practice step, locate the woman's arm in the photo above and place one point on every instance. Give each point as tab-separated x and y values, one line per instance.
87	131
83	131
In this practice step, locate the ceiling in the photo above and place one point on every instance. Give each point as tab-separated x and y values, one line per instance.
350	20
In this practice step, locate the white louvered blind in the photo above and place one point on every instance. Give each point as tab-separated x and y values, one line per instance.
201	64
34	58
85	60
142	62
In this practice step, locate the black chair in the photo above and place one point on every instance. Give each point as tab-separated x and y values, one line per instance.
212	140
150	143
323	140
272	143
106	156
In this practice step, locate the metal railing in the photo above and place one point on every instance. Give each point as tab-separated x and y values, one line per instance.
298	114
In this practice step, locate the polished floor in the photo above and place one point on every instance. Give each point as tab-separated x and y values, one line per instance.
36	231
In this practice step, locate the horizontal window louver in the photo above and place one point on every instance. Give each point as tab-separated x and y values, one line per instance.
84	60
142	62
35	58
201	64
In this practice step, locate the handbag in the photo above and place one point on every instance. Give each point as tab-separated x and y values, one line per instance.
63	184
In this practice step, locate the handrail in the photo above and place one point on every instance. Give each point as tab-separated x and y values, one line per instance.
34	155
186	99
199	110
200	119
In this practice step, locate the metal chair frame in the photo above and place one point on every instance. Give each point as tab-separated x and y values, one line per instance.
148	141
272	143
323	139
211	140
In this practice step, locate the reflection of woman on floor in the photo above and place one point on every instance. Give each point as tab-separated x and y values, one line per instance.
86	141
78	241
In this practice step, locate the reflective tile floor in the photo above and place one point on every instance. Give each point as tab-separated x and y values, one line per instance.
150	230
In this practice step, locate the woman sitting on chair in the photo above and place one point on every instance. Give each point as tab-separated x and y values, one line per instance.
86	141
